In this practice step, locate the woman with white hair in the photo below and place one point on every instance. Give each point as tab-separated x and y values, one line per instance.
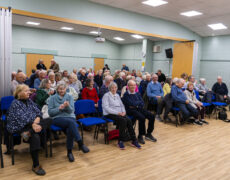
75	83
61	109
114	109
51	77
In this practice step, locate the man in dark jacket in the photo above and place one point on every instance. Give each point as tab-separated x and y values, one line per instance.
161	77
134	106
99	78
41	65
144	84
121	81
221	91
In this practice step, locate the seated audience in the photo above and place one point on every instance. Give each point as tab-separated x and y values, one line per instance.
124	89
26	119
61	109
134	106
144	83
20	79
105	87
114	109
106	68
191	96
30	81
73	82
53	84
161	77
221	91
89	92
82	77
41	65
121	81
99	78
191	79
202	87
54	66
124	67
167	86
43	93
155	94
41	76
69	90
182	101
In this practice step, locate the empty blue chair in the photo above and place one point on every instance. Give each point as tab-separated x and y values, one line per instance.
5	105
87	107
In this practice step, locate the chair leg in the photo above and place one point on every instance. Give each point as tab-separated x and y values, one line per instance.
51	145
46	149
82	133
2	164
12	148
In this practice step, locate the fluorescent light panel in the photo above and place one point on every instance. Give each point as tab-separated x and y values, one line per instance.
154	3
94	32
33	23
67	28
119	38
191	13
137	36
217	26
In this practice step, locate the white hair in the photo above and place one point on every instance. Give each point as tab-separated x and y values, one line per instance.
121	74
112	84
202	79
131	81
175	80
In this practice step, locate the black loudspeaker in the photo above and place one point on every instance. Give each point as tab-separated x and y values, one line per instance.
169	53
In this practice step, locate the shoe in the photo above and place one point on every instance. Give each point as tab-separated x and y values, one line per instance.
121	145
150	138
141	140
159	118
197	122
168	119
39	171
84	149
135	144
203	121
70	157
25	136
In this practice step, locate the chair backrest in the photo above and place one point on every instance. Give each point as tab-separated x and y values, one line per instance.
100	110
84	107
6	102
197	94
140	89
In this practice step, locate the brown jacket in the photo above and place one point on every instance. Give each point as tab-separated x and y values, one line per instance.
55	67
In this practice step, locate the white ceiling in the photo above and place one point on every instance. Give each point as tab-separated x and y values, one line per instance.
79	29
214	11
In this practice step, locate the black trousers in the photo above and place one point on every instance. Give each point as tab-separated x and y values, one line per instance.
141	115
123	123
36	138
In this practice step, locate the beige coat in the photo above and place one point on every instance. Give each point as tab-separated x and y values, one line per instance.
192	98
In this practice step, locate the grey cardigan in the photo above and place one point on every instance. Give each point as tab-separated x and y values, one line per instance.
112	104
192	98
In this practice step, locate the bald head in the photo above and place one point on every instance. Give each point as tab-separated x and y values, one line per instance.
20	77
180	82
132	86
219	79
154	78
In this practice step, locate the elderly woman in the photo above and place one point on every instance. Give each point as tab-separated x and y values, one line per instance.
114	109
61	109
89	92
58	77
26	119
53	83
73	82
195	103
43	93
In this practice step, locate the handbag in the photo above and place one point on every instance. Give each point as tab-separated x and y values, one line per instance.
45	113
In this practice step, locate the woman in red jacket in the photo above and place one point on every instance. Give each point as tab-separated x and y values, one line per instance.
89	92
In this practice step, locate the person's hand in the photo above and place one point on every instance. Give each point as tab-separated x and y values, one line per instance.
199	104
36	127
158	96
225	96
66	103
96	105
123	114
33	90
51	92
187	101
120	114
61	106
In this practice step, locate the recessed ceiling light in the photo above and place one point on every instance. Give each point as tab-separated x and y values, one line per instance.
67	28
33	23
154	3
119	38
137	36
217	26
191	13
94	32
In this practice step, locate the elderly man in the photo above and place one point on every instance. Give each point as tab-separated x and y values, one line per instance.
41	76
54	66
181	100
82	77
105	87
155	94
134	106
121	81
99	78
124	67
191	79
41	65
221	91
20	79
91	76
